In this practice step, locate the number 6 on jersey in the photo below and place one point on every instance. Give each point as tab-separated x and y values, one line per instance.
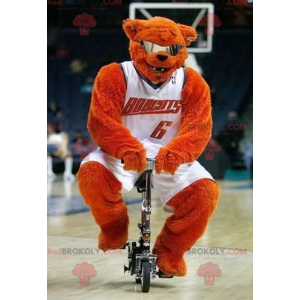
159	131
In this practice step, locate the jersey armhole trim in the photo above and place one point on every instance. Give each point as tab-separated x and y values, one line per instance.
184	76
123	74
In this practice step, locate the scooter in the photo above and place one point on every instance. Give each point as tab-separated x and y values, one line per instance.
142	263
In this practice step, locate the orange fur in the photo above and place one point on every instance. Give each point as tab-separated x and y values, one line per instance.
101	191
193	207
195	109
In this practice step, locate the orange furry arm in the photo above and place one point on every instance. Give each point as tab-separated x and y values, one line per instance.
195	129
105	119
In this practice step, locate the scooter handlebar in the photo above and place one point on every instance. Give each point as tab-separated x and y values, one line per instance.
150	163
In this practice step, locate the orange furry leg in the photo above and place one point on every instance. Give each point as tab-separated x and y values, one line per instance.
101	191
193	207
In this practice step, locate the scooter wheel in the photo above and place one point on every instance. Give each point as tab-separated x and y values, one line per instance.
145	277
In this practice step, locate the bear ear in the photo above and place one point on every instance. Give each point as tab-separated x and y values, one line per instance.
131	27
189	33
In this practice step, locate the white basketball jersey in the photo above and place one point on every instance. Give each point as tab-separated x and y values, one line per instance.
152	113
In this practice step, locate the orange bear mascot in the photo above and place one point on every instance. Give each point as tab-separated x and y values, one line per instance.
144	108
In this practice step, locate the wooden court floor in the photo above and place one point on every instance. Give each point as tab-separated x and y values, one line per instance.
72	240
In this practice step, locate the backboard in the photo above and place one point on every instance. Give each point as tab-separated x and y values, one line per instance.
180	12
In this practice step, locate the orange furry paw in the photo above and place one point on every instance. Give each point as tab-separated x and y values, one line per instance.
135	161
106	242
170	263
167	161
113	235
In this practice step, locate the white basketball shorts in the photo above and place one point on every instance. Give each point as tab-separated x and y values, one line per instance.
165	184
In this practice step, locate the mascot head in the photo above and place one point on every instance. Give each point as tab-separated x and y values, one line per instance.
158	46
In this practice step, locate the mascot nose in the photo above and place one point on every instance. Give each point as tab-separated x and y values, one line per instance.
161	57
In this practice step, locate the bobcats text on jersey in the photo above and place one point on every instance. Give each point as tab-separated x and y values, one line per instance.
137	106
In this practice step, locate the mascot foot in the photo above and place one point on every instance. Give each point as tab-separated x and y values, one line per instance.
108	243
113	236
170	263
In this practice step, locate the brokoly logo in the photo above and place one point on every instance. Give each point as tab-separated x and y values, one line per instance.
220	4
84	147
84	271
209	21
88	4
52	2
54	127
209	271
210	149
84	22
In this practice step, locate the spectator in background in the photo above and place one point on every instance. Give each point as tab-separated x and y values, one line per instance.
58	146
87	87
239	16
54	111
248	155
62	51
51	42
78	66
77	136
230	139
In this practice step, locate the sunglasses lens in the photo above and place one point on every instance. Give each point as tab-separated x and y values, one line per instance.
152	48
175	49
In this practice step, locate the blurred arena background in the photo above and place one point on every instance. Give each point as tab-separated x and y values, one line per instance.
74	58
